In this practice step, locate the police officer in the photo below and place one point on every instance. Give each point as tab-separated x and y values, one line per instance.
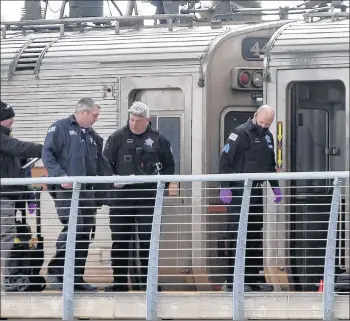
135	149
249	149
72	148
13	153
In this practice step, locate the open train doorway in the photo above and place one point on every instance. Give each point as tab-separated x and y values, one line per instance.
317	143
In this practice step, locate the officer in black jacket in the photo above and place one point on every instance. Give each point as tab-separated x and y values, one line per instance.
135	149
12	154
73	148
249	149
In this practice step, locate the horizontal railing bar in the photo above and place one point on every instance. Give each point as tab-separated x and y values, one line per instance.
177	178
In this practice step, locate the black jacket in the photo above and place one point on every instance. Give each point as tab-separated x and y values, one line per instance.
150	139
247	151
63	152
13	153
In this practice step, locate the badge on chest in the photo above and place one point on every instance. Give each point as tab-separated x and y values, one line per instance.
149	142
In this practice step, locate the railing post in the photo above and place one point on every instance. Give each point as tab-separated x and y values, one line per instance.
69	263
329	268
238	276
152	273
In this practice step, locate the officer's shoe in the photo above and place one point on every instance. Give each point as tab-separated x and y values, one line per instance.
116	288
81	285
54	282
144	288
262	287
247	288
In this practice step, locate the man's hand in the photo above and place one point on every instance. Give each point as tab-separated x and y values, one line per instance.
67	185
118	185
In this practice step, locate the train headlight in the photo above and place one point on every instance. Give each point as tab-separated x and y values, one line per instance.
244	78
247	78
257	79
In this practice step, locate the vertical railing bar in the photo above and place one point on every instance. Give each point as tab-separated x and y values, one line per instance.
152	273
238	276
329	268
69	263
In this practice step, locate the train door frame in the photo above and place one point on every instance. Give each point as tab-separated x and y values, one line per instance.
130	85
283	79
190	122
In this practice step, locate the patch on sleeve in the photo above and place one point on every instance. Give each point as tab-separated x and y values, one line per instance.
51	129
226	148
233	137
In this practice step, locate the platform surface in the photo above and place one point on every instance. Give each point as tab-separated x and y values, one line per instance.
172	305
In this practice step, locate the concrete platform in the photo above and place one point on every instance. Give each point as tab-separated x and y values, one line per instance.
172	305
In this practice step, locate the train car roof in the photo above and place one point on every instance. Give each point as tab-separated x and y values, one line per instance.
46	52
303	43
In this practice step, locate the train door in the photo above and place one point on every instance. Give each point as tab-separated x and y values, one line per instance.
316	143
167	98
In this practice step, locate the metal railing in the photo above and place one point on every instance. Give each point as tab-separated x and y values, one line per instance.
300	238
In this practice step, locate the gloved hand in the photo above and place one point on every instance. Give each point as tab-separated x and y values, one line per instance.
118	185
31	208
278	193
225	195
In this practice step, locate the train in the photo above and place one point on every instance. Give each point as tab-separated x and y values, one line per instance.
200	81
306	77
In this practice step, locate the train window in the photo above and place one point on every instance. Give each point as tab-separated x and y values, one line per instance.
233	119
312	140
170	128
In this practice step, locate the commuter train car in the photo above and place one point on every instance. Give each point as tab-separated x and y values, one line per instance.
306	76
199	82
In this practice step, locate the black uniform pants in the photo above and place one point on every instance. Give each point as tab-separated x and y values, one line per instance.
254	251
85	222
130	209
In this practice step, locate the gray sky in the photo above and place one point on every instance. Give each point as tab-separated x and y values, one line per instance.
11	10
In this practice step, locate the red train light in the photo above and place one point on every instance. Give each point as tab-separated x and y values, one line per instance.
244	78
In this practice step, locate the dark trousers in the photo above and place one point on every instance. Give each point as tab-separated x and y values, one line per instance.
254	251
85	223
130	208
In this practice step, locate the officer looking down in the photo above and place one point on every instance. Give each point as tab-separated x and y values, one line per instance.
73	148
13	155
249	149
135	149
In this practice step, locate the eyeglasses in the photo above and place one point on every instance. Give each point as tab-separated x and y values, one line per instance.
93	114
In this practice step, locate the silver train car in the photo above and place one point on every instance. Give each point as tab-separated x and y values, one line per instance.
306	76
198	81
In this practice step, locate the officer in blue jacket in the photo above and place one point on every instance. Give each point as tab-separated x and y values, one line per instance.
72	148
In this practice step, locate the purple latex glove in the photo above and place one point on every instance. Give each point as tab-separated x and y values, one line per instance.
225	195
31	208
278	193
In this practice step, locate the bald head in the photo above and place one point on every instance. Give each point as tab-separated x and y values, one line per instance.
263	118
267	111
